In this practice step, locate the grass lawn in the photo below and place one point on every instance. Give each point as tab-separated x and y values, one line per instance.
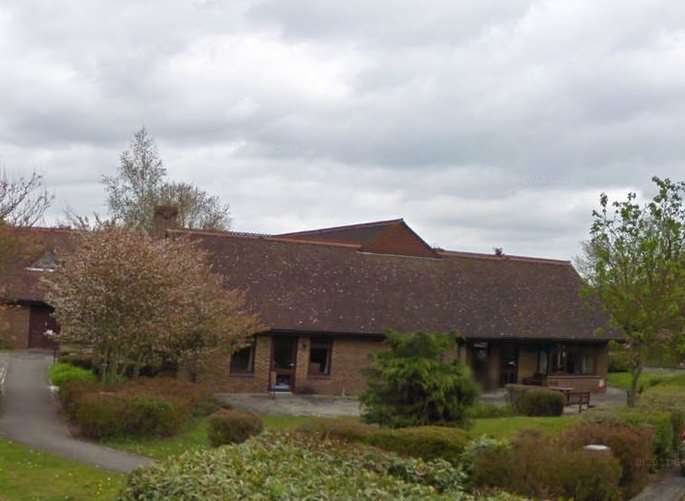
647	379
507	427
27	474
195	435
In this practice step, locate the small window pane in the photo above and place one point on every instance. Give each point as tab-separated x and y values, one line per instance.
320	358
243	360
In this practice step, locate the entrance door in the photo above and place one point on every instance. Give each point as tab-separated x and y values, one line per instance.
481	364
283	363
509	366
40	321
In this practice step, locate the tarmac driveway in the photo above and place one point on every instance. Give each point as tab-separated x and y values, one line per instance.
30	415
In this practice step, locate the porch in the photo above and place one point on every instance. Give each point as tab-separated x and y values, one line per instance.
580	366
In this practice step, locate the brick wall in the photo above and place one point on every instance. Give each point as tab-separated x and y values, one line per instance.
14	326
219	378
349	357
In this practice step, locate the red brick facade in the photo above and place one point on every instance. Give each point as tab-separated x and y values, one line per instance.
349	356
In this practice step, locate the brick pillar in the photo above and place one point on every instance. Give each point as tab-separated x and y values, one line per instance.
302	364
262	362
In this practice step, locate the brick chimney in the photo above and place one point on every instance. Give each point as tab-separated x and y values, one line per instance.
165	218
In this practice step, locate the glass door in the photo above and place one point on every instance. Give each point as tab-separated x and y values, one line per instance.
283	363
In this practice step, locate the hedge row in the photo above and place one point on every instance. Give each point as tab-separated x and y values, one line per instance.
425	442
142	407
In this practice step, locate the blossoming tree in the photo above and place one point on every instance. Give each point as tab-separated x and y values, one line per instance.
138	302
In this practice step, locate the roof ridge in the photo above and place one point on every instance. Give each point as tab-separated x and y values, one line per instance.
505	257
260	236
343	227
220	233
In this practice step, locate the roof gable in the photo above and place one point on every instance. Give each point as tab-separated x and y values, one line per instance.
380	237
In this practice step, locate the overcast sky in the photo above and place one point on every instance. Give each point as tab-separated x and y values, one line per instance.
483	123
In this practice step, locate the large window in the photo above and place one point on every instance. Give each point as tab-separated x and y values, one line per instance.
242	361
570	359
320	357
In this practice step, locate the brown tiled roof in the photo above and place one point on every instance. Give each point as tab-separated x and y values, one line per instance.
318	286
24	281
308	283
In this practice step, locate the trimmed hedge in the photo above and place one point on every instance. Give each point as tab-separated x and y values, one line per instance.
233	427
144	407
426	442
61	373
631	445
539	402
534	467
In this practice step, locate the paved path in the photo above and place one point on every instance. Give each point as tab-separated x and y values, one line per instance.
30	416
671	487
293	405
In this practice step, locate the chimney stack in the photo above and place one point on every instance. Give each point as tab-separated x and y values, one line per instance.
165	218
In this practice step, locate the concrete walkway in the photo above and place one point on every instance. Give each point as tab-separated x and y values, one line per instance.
671	487
29	415
287	404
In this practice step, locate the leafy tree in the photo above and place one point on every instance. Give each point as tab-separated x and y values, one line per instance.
139	302
415	383
634	264
140	185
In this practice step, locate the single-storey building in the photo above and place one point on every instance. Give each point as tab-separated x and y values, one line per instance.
328	296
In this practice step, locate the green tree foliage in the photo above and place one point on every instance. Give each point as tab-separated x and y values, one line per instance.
415	383
140	185
634	264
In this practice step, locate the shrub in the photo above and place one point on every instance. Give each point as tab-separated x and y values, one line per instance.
411	384
619	358
534	467
340	429
61	372
426	442
283	466
539	402
233	427
142	407
631	445
78	359
480	446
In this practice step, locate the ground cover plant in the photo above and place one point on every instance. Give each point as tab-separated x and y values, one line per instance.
26	474
412	383
294	466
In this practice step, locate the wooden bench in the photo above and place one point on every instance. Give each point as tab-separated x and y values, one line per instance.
573	397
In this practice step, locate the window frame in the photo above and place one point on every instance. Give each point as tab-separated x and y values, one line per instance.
250	370
321	341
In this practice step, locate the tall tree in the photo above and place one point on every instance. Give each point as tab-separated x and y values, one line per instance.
634	264
140	184
139	301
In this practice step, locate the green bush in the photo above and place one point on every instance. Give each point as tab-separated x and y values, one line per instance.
412	384
539	402
233	427
282	466
61	372
78	359
142	407
631	445
480	446
340	429
619	359
535	467
426	442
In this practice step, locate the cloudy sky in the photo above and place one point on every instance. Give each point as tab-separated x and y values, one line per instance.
483	123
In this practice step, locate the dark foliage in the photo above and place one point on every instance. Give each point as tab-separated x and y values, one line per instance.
233	427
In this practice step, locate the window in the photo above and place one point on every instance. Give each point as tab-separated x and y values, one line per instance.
320	357
573	360
242	361
543	361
